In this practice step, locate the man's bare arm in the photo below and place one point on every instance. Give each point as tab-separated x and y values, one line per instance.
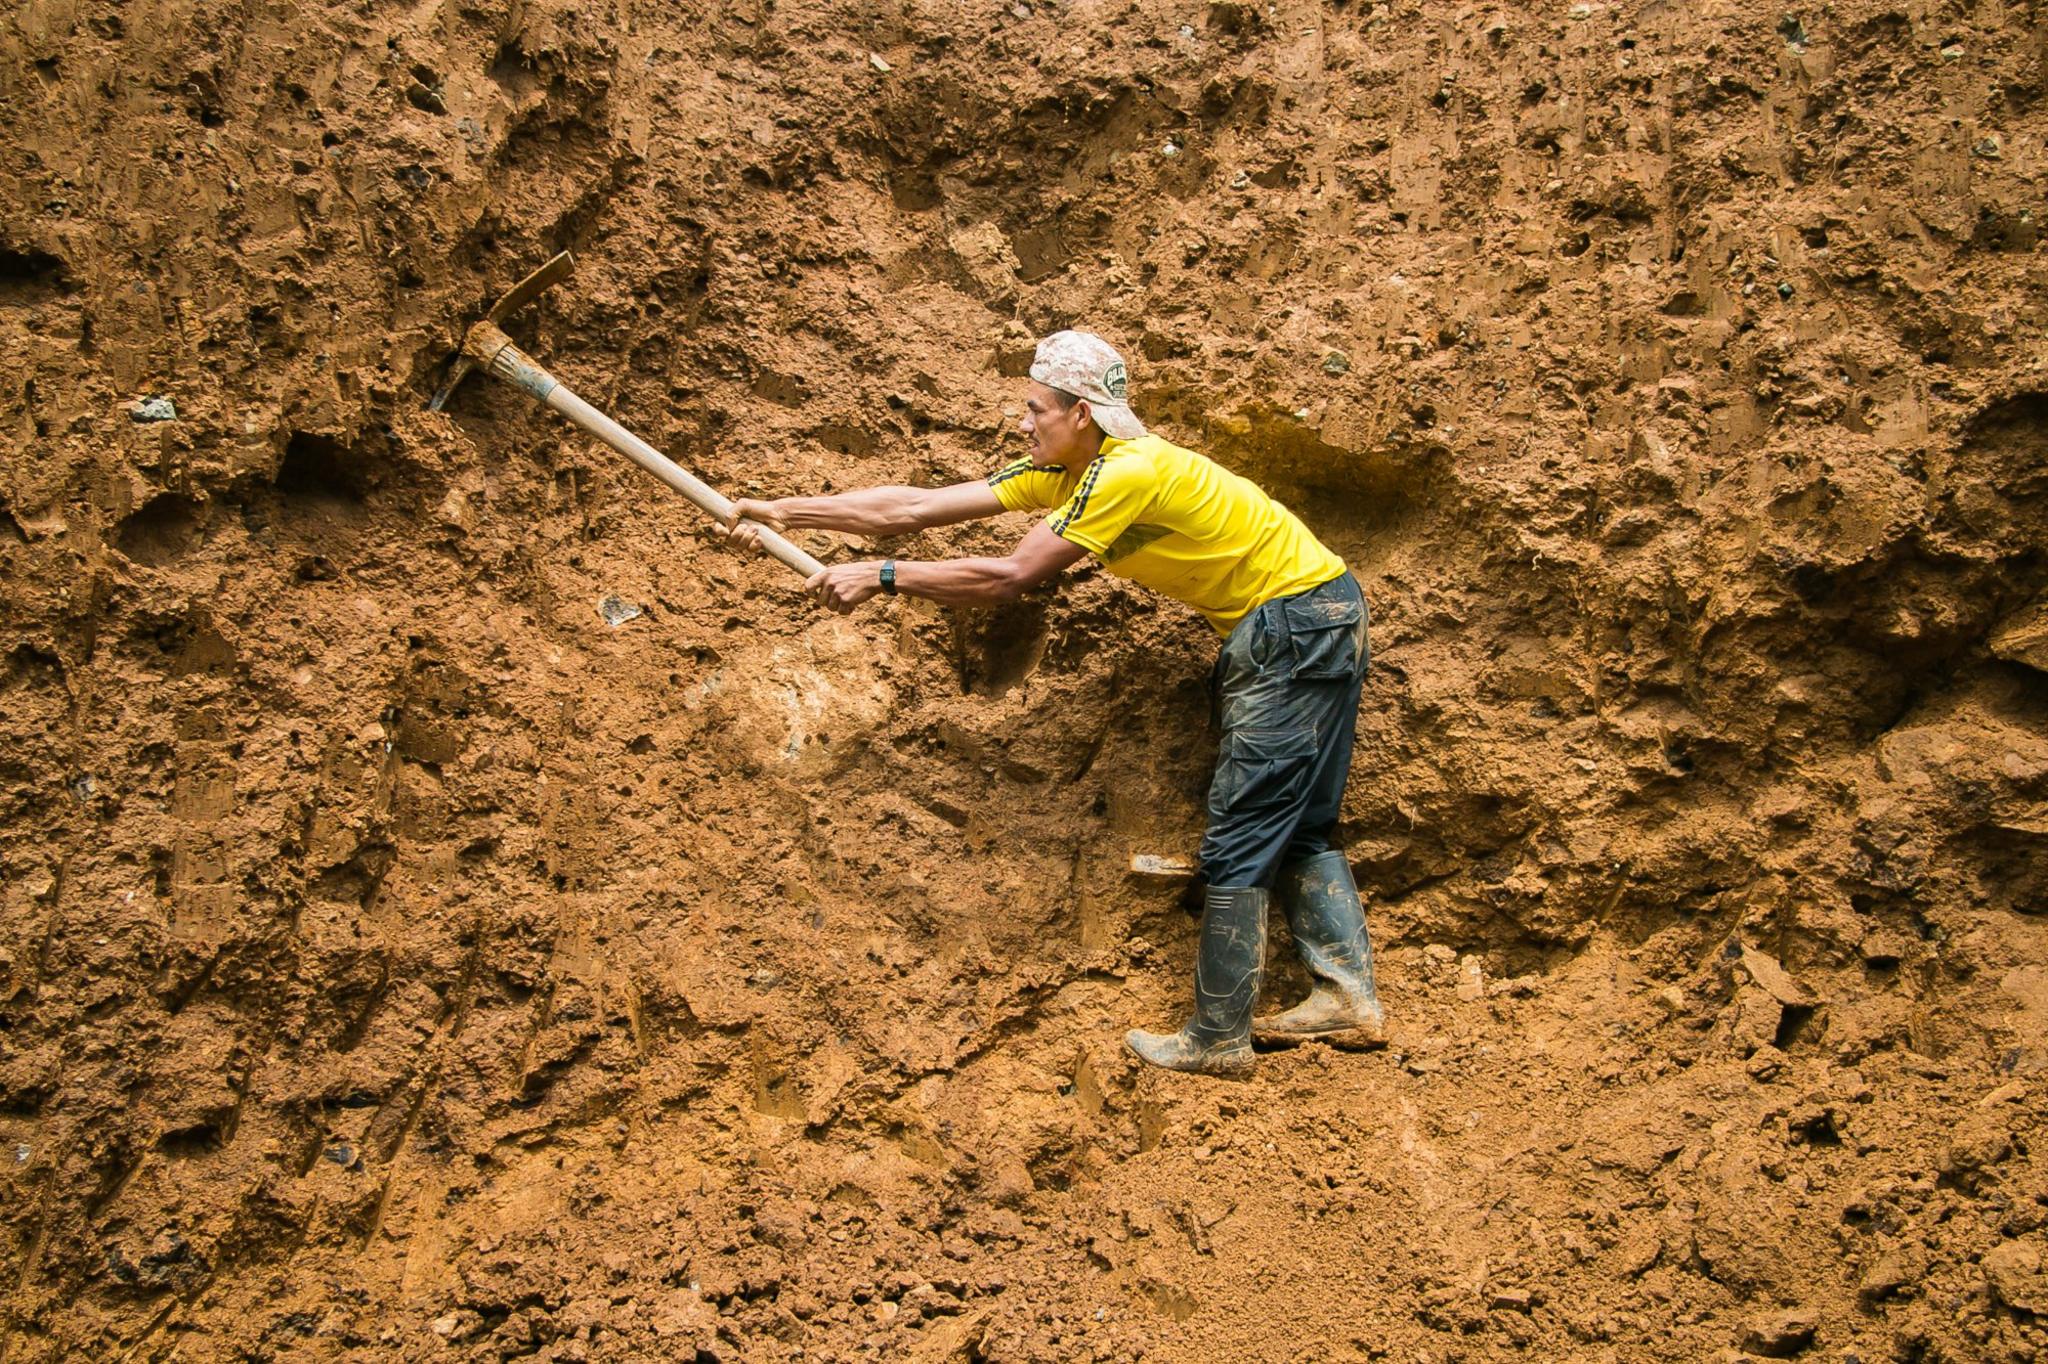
867	511
1039	557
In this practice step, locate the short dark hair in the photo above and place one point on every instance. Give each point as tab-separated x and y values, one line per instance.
1065	399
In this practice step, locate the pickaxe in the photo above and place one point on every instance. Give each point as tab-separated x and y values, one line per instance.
487	345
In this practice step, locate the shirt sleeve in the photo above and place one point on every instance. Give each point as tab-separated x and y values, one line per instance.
1112	495
1024	486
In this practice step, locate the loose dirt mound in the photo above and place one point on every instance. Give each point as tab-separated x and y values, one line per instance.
399	961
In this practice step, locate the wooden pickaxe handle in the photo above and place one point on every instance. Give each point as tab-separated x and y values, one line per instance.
488	345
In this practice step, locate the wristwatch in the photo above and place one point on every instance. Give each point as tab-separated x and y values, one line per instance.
889	576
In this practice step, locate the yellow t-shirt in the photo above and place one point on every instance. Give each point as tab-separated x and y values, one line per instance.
1177	522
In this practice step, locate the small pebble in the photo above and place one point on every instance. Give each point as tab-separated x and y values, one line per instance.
1155	864
155	410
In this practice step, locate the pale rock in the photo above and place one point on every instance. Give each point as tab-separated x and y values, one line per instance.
1471	979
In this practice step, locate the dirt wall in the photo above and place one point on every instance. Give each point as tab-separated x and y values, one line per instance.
399	960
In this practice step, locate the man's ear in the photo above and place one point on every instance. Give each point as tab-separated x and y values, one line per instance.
1083	414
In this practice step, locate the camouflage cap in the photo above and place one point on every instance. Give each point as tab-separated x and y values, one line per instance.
1088	367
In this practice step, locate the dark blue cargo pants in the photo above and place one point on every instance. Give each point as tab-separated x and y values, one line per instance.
1286	688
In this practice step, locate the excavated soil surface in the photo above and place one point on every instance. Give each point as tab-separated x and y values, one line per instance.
399	960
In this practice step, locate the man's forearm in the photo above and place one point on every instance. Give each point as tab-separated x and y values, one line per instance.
965	582
1040	557
867	511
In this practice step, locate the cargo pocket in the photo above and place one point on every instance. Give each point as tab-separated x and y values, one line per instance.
1262	769
1329	637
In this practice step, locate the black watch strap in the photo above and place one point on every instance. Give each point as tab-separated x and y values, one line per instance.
889	576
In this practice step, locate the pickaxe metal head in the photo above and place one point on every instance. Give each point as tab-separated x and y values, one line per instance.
522	294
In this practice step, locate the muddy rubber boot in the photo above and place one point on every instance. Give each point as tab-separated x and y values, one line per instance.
1328	923
1228	961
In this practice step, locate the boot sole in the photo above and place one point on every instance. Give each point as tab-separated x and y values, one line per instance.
1236	1070
1343	1039
1238	1073
1237	1067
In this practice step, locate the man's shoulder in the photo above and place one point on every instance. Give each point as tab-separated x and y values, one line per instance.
1143	456
1151	443
1022	468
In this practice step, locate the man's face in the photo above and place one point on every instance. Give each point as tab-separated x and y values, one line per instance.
1056	435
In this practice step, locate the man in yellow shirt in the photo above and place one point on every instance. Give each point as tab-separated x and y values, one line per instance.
1287	680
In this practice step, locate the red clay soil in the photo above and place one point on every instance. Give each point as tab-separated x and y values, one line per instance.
398	961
